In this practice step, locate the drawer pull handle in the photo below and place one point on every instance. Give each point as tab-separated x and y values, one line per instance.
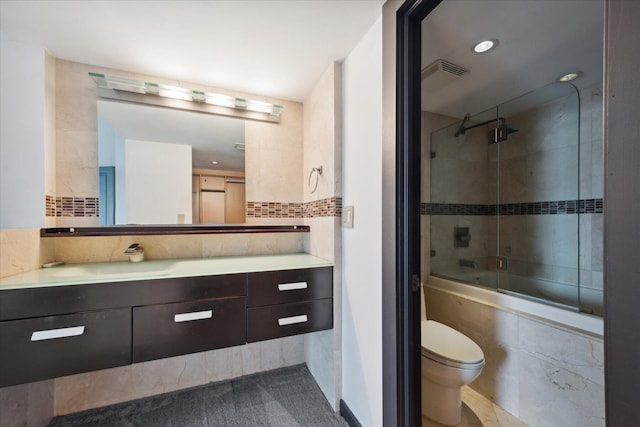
292	286
283	321
51	334
196	315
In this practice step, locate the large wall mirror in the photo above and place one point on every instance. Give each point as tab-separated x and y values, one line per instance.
169	166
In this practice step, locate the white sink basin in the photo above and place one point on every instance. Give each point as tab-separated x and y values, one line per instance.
112	269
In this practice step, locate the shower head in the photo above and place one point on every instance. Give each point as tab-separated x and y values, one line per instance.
461	129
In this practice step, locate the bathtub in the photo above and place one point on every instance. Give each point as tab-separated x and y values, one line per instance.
480	286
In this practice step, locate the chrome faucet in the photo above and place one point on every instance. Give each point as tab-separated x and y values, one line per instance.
135	252
467	263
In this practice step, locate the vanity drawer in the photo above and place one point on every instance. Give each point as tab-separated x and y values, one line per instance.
55	346
167	330
283	320
280	287
52	300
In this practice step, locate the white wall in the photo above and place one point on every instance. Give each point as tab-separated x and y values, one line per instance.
22	135
158	177
362	244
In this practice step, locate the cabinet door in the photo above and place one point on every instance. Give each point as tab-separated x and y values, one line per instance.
234	201
55	346
167	330
284	286
275	321
195	208
212	207
212	183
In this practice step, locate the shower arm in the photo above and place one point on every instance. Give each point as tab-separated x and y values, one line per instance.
499	119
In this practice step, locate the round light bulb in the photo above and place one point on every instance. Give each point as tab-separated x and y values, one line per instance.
570	76
485	45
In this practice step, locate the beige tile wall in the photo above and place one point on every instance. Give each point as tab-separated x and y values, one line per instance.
23	250
111	248
50	132
100	388
27	405
323	147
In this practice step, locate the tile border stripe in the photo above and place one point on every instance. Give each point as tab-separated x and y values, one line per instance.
71	206
560	207
318	208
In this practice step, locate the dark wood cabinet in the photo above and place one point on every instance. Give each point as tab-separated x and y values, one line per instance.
54	346
275	321
285	286
167	330
289	302
53	331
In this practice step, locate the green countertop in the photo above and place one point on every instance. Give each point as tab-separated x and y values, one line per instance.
105	272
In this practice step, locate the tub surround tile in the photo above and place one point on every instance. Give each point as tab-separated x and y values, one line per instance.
597	251
550	394
571	351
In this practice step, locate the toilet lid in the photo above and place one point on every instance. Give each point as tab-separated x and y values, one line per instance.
448	343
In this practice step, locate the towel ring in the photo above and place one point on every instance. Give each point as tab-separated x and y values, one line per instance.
318	171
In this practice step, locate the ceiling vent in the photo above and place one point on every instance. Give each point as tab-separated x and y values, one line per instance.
439	74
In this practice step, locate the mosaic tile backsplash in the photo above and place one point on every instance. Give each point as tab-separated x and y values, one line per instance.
71	206
318	208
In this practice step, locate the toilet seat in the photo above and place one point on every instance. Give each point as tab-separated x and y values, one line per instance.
448	346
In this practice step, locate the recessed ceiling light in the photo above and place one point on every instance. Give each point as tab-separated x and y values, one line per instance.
485	45
570	76
214	162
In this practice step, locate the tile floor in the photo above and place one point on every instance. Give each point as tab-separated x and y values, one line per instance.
478	411
286	397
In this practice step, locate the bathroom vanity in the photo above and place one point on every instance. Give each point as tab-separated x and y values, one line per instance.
78	318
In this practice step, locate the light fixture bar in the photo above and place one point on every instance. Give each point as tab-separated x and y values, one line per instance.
175	92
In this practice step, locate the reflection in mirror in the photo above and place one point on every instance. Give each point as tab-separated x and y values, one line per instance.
167	166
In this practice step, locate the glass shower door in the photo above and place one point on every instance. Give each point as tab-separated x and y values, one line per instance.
538	195
462	201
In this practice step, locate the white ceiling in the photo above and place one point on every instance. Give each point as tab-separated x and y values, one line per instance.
539	40
280	48
267	47
210	137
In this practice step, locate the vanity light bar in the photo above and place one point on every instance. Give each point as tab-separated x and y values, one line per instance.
176	92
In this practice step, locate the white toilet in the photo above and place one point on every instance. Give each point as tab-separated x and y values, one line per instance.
450	360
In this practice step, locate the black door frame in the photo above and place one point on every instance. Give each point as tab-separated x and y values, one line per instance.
408	68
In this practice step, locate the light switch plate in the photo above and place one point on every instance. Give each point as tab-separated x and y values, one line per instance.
347	216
